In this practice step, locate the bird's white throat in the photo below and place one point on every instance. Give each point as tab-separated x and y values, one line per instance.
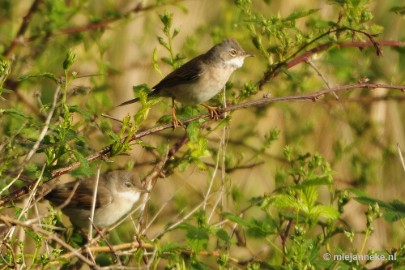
132	196
235	63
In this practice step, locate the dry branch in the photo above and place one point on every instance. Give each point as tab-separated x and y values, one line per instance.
105	152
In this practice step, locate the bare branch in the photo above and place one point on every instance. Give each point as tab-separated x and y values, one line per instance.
37	143
50	235
23	28
254	103
401	158
268	75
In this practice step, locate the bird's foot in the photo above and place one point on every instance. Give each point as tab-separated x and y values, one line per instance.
176	122
213	111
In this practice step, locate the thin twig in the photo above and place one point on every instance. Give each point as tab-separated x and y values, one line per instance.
162	207
268	75
284	237
177	223
93	204
99	249
49	235
401	158
320	74
214	173
149	184
23	28
103	24
150	180
237	168
110	247
111	117
27	204
254	103
37	143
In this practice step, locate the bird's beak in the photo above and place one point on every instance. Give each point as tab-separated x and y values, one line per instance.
249	54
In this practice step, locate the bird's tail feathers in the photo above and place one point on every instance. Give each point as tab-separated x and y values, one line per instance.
151	94
129	102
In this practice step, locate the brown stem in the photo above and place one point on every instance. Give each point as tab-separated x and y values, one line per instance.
284	237
270	74
105	152
23	28
105	23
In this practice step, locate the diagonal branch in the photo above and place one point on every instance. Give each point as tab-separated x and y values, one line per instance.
107	22
23	28
50	235
253	103
105	152
270	74
38	141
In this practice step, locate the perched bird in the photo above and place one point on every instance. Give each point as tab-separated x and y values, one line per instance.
117	192
201	78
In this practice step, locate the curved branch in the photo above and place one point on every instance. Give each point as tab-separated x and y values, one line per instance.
270	74
105	152
254	103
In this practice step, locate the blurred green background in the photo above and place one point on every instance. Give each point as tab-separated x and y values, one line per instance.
116	46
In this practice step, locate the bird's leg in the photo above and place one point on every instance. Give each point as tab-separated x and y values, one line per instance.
214	111
176	122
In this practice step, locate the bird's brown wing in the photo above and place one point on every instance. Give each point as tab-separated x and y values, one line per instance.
79	196
187	73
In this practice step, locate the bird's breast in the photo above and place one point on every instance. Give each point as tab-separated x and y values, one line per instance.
209	84
113	212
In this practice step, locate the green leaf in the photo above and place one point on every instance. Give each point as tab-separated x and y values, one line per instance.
4	90
259	228
299	14
167	60
141	91
324	211
310	194
163	43
14	112
193	232
285	201
236	219
155	63
398	10
167	20
47	75
176	31
393	211
193	131
315	181
271	137
223	235
197	145
197	265
83	112
69	60
36	236
171	247
84	169
197	237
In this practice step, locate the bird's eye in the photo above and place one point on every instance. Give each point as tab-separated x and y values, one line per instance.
128	184
232	52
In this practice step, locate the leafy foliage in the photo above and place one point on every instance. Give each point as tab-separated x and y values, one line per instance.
281	186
